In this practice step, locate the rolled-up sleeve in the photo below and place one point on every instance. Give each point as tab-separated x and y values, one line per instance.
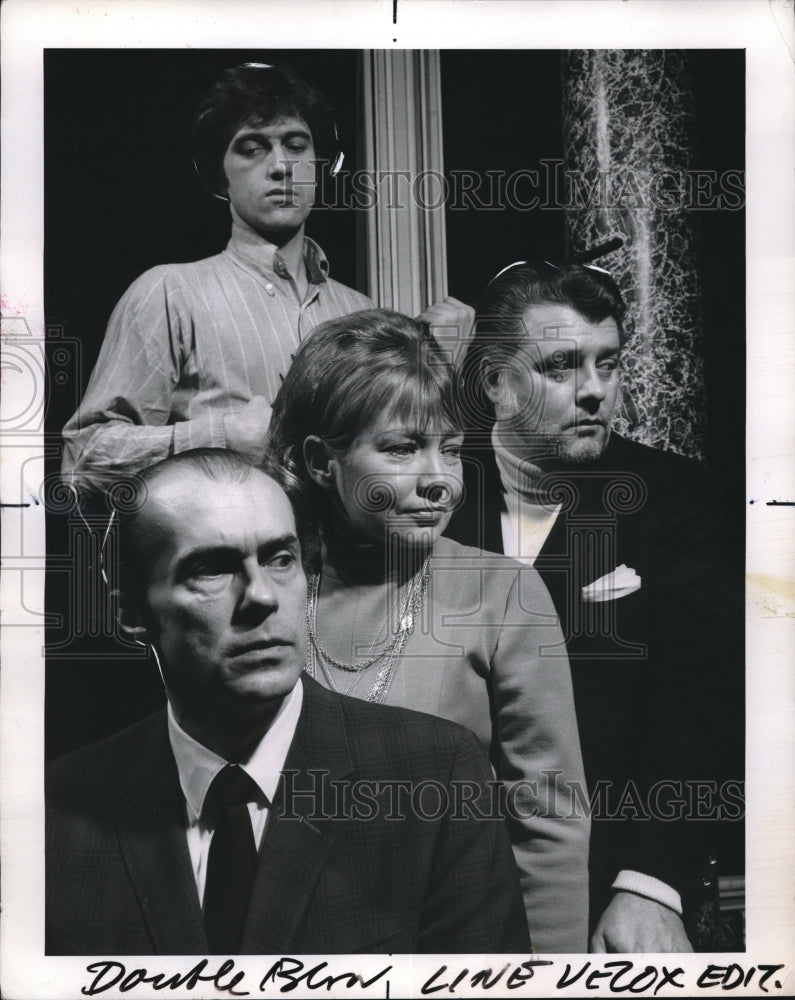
125	420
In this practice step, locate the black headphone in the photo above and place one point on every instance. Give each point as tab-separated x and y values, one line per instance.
336	162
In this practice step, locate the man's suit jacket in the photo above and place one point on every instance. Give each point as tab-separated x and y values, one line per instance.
657	673
119	878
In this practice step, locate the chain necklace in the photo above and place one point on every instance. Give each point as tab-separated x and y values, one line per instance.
410	607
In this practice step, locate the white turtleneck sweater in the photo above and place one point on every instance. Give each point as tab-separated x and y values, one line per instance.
527	517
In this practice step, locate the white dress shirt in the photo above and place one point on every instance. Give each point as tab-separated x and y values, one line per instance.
197	766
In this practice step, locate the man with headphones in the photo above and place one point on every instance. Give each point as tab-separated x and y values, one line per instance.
194	353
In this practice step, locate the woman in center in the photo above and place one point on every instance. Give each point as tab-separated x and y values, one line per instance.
367	421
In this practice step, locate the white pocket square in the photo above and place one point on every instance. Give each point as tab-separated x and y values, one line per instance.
619	583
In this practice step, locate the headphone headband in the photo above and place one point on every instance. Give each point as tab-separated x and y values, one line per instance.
336	160
582	259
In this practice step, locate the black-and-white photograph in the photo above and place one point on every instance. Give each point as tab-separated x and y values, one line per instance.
382	513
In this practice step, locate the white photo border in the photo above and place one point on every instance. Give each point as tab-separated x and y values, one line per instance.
765	31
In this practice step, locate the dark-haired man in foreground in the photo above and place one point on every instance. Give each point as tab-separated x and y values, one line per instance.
202	829
633	547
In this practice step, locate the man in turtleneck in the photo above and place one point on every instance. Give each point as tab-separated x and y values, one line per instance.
632	546
194	353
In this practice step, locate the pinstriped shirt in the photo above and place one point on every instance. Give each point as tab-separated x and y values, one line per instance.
188	343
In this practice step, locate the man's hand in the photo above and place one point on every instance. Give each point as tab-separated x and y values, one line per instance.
634	924
246	430
453	315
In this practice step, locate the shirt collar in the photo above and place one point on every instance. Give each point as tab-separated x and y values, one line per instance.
197	765
254	253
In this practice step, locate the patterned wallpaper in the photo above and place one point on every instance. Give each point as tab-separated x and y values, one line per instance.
628	127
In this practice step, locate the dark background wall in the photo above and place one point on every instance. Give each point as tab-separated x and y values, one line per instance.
121	196
501	112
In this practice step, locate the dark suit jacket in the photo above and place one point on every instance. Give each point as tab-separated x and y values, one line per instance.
119	879
657	674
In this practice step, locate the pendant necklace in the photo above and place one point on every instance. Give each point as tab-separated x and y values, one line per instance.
318	657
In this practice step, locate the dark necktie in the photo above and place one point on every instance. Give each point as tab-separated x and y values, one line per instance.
232	860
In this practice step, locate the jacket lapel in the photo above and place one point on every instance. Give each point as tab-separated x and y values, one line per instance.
151	831
576	549
298	837
478	522
582	547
